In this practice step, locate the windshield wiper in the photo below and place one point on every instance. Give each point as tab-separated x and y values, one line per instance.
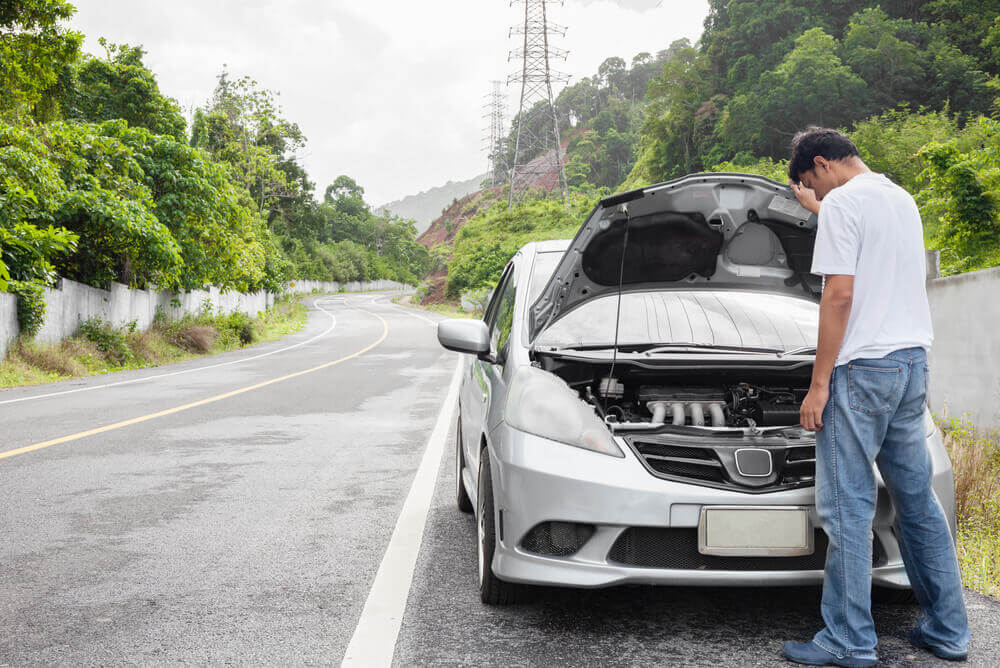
804	350
659	347
586	346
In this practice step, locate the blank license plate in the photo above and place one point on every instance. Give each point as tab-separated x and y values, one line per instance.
777	531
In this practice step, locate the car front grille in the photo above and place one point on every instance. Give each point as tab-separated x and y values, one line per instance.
663	547
711	460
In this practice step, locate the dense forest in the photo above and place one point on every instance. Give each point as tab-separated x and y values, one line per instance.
915	85
102	179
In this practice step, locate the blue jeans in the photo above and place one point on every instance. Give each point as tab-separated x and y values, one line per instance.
876	413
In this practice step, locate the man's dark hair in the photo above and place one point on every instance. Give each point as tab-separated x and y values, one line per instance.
814	141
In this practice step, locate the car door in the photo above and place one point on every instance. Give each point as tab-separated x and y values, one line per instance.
473	393
488	374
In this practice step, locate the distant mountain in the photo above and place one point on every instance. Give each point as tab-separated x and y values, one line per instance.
427	206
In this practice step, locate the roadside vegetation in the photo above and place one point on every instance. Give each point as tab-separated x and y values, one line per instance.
100	348
102	179
976	461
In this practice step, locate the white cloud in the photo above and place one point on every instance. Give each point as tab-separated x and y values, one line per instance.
387	91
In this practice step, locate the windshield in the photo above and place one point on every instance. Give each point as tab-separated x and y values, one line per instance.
724	318
541	270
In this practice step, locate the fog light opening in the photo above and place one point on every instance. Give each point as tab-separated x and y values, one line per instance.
557	539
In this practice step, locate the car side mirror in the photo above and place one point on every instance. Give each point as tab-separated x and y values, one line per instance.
465	336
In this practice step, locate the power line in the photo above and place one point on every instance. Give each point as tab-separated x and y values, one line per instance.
536	161
496	141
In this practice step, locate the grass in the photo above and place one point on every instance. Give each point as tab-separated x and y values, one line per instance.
100	348
976	461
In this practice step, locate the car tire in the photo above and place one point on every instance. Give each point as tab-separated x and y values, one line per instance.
887	596
461	496
492	590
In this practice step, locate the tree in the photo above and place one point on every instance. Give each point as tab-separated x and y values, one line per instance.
667	147
243	128
811	86
35	51
889	65
613	74
966	25
121	86
145	209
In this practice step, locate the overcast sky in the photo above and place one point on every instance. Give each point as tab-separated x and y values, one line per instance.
389	92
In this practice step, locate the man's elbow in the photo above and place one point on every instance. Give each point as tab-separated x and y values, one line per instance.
839	292
841	299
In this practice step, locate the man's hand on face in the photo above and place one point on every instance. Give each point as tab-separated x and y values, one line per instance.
811	413
806	196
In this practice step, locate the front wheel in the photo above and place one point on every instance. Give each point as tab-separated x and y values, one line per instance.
492	590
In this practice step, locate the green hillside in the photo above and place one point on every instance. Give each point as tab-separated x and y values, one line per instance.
915	84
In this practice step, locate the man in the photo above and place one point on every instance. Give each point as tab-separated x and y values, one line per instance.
867	401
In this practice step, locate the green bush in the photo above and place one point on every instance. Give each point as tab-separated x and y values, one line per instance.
111	341
30	306
236	327
962	198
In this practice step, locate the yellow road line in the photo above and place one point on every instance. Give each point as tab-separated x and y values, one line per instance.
195	404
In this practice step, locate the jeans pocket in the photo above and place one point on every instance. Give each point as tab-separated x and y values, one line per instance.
873	389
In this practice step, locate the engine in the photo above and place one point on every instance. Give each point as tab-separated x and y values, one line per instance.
741	404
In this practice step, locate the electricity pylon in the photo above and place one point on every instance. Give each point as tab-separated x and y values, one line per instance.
537	155
496	142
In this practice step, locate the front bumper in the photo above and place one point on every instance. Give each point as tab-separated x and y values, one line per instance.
536	480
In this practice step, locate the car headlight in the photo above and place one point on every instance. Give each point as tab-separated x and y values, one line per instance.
540	403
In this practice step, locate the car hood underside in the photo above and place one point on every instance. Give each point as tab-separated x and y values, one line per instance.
703	231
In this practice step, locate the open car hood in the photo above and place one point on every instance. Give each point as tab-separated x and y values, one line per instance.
711	231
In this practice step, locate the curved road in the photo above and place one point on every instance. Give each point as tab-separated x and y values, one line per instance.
237	509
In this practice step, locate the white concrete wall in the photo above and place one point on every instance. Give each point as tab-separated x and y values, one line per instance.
305	287
8	321
965	358
71	303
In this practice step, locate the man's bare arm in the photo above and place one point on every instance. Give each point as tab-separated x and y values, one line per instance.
834	310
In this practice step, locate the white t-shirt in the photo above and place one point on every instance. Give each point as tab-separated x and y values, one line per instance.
870	228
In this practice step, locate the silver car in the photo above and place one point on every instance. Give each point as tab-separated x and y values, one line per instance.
630	409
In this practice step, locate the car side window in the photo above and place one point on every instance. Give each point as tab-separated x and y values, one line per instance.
504	315
489	317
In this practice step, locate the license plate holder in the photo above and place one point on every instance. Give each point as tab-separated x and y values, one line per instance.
755	531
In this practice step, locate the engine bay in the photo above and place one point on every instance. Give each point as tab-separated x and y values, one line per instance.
640	398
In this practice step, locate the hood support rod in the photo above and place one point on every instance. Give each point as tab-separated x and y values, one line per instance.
622	209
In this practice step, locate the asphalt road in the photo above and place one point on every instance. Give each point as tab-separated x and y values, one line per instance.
236	509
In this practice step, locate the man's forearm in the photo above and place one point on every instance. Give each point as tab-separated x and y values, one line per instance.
834	310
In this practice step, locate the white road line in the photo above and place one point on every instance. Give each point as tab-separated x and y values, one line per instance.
409	313
374	639
333	323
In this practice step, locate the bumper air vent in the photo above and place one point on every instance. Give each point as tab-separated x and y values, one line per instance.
557	539
660	547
